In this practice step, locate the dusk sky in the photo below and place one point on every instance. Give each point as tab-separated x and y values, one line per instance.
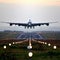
36	10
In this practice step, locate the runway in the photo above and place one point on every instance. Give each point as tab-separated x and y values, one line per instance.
30	36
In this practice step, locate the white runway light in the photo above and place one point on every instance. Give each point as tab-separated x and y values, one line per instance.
9	44
30	54
29	47
4	46
45	42
49	44
54	47
13	43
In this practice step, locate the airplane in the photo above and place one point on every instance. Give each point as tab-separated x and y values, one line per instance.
29	24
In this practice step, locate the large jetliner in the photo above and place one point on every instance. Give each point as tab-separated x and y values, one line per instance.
29	24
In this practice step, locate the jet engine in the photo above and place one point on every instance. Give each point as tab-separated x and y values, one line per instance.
47	24
18	24
11	24
39	25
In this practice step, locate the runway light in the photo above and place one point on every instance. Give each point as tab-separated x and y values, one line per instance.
30	54
30	44
45	43
9	44
49	44
29	47
54	47
4	46
13	43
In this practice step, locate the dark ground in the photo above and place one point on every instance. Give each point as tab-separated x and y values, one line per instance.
20	51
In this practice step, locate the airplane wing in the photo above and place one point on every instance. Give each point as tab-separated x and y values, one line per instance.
19	24
39	24
29	25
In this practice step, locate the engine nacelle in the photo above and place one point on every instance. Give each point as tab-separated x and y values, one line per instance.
39	25
18	24
47	24
11	24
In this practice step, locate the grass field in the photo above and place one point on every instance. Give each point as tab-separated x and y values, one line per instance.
9	34
15	34
20	52
51	34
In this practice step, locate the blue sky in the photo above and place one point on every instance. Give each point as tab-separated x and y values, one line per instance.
36	10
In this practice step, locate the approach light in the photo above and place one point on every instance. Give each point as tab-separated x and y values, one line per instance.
13	43
54	47
45	43
30	44
30	54
49	44
29	47
9	44
4	46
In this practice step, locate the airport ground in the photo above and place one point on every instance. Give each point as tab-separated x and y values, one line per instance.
15	34
19	51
